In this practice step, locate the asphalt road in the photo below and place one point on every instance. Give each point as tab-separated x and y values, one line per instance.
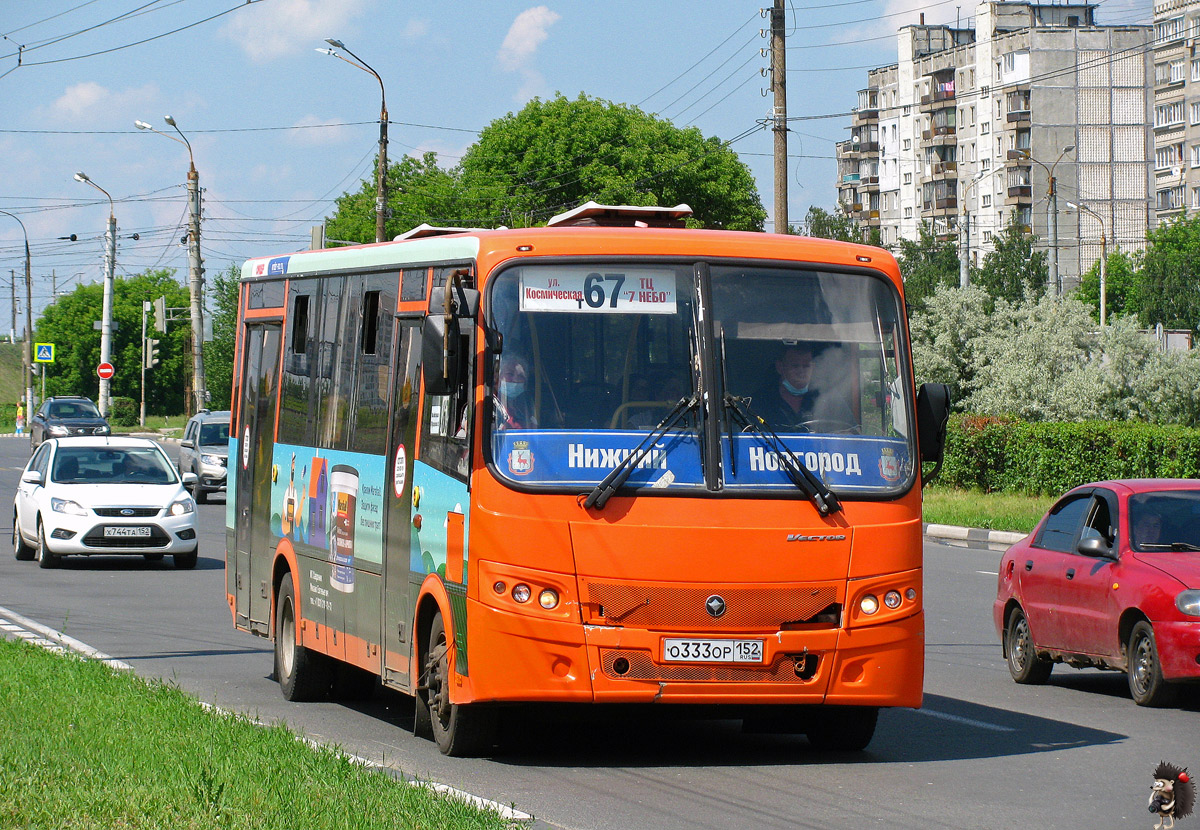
981	753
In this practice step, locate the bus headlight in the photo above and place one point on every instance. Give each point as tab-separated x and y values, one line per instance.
521	592
548	598
869	604
892	599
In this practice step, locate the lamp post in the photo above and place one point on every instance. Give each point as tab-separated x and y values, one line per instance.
195	269
1103	258
381	172
1053	286
26	357
964	249
110	265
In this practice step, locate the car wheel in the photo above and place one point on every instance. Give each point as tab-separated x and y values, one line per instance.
200	494
21	550
186	561
1146	682
45	558
1024	663
302	674
460	730
844	728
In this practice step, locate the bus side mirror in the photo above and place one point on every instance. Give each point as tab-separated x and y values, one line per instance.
435	357
933	416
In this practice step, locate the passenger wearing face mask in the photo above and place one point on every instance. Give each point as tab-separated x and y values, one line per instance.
514	407
795	403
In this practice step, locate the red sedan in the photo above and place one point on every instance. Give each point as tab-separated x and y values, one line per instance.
1110	578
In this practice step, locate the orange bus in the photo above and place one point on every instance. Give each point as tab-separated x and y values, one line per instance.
610	460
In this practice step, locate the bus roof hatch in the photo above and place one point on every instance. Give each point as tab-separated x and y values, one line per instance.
622	216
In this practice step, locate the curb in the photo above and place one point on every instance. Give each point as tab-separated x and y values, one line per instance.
973	535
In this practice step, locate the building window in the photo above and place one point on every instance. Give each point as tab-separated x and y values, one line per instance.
1196	155
1166	115
985	128
908	213
987	200
1177	72
1196	70
985	163
908	178
1194	112
907	144
1195	197
1168	30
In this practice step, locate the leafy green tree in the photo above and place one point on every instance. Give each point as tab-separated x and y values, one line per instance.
418	191
218	353
1012	270
1121	281
925	264
70	324
1168	291
822	224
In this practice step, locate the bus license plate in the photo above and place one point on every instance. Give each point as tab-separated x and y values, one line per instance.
712	651
127	531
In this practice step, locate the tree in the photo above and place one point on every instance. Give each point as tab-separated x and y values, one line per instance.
218	353
822	224
1012	270
418	192
69	323
1121	281
554	155
1168	292
925	264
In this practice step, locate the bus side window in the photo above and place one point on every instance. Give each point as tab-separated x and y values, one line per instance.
448	420
295	410
372	356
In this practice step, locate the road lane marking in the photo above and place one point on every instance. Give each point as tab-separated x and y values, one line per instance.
37	634
980	724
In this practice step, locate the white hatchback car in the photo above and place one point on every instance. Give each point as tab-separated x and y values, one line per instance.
103	496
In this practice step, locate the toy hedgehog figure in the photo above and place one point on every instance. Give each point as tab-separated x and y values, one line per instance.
1172	796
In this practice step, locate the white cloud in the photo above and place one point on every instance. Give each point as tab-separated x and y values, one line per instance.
317	131
270	30
525	35
415	29
90	99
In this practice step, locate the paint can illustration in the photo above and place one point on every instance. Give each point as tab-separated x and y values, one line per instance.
344	481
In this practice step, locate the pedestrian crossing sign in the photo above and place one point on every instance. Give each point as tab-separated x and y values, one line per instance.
43	352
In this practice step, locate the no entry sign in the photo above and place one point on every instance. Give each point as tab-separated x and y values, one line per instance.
105	371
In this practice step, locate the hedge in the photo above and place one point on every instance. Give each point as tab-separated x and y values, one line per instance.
1044	458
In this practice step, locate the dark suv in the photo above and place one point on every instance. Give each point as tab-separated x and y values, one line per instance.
204	451
64	415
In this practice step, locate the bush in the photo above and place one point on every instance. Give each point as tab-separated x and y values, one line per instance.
1042	458
124	412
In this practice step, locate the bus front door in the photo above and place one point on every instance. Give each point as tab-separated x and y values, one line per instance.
397	595
259	392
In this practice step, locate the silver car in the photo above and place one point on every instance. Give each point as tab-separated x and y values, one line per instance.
204	451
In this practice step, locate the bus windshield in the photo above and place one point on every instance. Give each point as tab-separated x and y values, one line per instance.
803	361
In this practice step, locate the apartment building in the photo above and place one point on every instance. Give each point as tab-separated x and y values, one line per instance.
1176	107
966	132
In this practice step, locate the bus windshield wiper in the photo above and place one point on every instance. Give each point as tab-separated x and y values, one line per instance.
612	482
807	481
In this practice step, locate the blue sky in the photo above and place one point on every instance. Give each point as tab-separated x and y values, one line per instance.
278	130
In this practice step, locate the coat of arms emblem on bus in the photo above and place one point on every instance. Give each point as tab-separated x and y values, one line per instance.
520	459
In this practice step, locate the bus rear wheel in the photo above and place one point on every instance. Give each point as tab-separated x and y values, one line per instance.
460	730
302	674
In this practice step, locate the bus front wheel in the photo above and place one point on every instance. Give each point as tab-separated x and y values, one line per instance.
460	730
845	728
302	674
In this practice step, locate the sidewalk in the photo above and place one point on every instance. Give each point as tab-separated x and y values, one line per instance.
972	536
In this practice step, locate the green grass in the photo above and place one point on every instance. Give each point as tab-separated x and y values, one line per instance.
994	511
84	746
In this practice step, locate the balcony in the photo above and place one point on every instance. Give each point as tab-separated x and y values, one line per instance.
1019	156
850	178
1019	194
866	116
942	169
1022	116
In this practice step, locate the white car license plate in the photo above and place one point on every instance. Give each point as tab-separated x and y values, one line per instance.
127	531
712	651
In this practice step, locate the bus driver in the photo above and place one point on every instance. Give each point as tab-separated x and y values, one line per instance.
794	404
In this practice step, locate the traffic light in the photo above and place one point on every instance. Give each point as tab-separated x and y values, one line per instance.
151	352
160	314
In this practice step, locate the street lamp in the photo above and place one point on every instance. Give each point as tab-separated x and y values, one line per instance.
26	360
1053	207
964	250
110	265
1103	259
381	173
195	270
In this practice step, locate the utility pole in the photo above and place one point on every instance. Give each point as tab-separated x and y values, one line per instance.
26	355
1054	287
196	283
12	331
110	273
779	116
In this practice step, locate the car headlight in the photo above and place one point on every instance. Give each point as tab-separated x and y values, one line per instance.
104	430
211	460
1188	602
182	507
72	508
57	430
